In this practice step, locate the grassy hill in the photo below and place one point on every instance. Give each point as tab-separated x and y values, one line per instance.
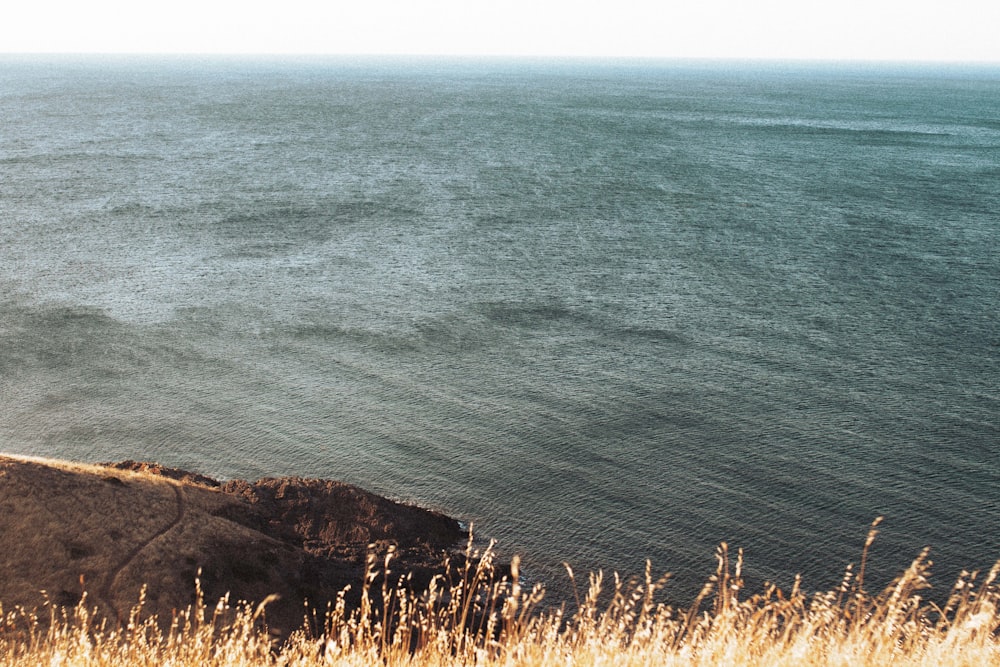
121	527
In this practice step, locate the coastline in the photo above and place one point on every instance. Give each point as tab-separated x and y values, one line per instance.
109	530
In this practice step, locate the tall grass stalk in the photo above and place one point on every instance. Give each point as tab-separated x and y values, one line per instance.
478	616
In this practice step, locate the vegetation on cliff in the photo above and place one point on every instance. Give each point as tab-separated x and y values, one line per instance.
111	530
477	614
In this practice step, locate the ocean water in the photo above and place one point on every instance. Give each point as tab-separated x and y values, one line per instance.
604	311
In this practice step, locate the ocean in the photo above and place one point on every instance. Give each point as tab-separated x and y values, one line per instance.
603	311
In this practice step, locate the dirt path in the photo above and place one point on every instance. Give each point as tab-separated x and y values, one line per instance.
106	590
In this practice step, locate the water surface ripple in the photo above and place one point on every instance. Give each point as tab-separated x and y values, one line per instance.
608	312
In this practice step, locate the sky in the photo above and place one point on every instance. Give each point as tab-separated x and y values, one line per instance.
920	30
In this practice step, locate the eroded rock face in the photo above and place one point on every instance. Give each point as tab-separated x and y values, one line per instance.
108	530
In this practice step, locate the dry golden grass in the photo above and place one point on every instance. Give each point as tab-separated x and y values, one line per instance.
480	619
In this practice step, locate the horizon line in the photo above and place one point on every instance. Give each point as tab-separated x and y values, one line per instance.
860	60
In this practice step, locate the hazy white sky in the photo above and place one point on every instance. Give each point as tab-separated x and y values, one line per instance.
827	29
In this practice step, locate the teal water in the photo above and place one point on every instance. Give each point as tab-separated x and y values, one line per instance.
604	311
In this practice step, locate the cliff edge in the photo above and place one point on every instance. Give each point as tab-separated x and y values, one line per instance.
110	529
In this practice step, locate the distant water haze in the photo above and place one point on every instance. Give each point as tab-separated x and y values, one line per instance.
605	312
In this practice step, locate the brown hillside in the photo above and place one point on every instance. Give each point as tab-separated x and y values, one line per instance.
108	530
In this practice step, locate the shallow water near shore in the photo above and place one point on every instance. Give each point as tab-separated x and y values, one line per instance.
605	311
